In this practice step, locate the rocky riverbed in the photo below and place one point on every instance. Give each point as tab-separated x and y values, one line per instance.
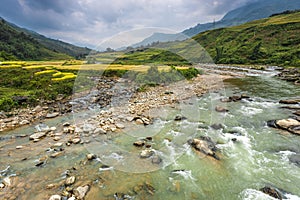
113	113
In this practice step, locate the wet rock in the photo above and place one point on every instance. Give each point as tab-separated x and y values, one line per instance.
217	126
294	129
273	192
289	101
286	123
91	156
2	185
19	147
58	144
81	191
221	109
295	159
179	118
38	135
139	143
272	123
87	128
147	153
70	180
156	159
52	115
235	98
55	197
204	145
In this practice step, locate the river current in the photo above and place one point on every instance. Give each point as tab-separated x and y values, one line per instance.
252	155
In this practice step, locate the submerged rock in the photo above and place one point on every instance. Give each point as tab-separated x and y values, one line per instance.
221	109
295	159
156	159
217	126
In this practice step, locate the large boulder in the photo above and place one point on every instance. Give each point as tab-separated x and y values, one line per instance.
287	123
205	145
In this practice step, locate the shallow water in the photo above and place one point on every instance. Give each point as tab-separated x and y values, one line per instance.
258	157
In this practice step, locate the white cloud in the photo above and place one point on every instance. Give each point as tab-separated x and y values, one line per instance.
89	22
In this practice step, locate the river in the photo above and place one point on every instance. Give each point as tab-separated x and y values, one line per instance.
252	155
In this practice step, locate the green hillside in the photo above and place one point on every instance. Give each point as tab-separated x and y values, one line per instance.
269	41
15	45
274	40
21	44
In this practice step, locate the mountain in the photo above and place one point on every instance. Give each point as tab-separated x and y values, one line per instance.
256	10
269	41
23	44
161	37
252	11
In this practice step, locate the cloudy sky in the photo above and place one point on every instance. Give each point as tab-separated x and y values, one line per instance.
90	22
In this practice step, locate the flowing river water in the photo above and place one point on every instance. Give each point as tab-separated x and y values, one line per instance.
252	155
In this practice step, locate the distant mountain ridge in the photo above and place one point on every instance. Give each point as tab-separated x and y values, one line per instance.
252	11
24	44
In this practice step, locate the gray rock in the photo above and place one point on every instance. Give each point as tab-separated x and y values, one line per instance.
99	131
120	126
295	159
37	109
55	197
87	128
38	135
81	191
52	115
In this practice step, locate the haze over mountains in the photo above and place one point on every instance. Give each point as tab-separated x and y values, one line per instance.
252	11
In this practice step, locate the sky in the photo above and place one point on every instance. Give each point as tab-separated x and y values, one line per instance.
92	22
